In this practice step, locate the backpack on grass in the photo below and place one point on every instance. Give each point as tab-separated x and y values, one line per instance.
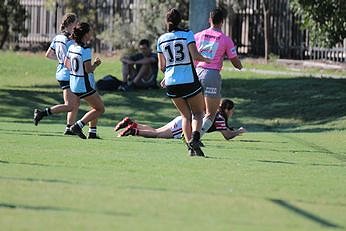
108	83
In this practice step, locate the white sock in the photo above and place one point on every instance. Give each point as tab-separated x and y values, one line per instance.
80	123
92	130
206	125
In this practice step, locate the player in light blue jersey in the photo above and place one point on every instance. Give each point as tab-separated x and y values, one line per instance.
57	51
176	53
82	82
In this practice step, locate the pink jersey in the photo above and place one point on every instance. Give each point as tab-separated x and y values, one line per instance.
214	44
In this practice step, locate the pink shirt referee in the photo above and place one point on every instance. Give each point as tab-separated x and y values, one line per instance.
215	45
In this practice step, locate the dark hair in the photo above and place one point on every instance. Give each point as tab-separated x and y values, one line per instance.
144	42
217	16
68	19
173	18
225	104
79	31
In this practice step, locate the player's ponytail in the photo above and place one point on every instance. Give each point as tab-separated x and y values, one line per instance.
79	31
68	19
173	19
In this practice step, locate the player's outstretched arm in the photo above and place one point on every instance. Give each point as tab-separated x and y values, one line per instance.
230	134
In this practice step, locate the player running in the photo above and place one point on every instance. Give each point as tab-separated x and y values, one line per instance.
214	44
176	52
78	60
57	51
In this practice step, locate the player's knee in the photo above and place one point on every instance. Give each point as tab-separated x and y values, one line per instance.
198	115
186	117
209	116
100	109
69	107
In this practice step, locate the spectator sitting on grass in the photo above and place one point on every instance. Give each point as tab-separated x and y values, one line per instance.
140	70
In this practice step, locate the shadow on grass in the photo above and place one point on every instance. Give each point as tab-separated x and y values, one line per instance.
309	100
59	209
283	103
305	214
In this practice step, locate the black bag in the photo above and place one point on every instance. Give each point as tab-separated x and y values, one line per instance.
108	83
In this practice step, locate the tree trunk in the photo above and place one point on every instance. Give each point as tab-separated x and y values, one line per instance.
6	28
199	14
266	29
95	30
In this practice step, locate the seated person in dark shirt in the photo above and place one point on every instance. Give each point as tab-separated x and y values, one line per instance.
140	70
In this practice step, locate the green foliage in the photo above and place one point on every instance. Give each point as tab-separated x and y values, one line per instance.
149	24
12	17
86	11
324	19
119	35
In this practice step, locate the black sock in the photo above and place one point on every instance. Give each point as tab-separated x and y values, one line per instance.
46	112
196	136
68	127
80	123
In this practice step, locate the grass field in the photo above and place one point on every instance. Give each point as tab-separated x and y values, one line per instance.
287	173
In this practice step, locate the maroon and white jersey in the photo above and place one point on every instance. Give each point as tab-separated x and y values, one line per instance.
219	124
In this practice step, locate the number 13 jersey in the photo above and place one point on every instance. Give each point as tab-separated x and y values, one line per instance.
179	65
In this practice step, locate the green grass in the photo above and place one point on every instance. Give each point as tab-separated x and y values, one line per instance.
287	173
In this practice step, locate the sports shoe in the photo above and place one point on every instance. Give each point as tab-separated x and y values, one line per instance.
195	146
68	132
38	115
191	151
78	131
200	143
129	130
93	136
123	123
124	87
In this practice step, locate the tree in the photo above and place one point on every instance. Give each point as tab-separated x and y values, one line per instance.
86	11
12	18
325	20
199	15
124	33
266	14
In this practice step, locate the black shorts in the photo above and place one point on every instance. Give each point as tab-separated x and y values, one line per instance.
64	84
184	91
85	94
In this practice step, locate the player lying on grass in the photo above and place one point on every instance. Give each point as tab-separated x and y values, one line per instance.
174	128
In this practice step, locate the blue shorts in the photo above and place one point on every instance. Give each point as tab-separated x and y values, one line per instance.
62	73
